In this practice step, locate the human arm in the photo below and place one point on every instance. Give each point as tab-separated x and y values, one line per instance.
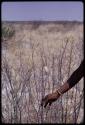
74	78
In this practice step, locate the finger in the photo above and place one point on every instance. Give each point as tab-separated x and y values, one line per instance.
50	103
46	104
42	101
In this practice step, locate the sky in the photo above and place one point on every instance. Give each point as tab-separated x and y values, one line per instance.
49	11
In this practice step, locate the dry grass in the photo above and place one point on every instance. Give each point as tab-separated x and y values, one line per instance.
35	47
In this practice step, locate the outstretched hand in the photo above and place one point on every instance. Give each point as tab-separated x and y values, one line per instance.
49	99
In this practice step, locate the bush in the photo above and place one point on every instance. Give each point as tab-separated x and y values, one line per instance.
7	32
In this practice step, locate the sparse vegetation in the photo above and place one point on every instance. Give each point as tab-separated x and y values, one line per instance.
35	64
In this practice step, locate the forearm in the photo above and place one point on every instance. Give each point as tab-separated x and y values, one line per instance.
76	75
74	79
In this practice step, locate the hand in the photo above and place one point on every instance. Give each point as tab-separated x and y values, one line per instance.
49	99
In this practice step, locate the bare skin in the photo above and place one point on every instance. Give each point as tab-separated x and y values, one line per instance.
50	98
74	78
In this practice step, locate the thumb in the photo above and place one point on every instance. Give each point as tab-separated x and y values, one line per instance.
50	103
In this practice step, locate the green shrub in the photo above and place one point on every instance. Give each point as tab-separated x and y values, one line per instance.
7	32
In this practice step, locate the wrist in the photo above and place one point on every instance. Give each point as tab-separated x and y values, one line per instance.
59	92
62	89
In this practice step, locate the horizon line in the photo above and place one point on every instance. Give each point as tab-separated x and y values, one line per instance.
41	21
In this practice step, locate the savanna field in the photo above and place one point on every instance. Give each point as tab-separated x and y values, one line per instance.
37	57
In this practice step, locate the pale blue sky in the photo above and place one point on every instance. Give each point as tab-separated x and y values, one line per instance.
50	11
